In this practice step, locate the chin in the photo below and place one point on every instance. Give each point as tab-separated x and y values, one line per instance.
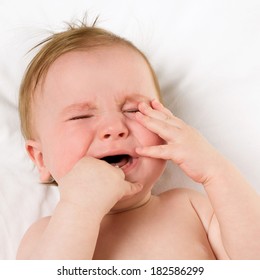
131	202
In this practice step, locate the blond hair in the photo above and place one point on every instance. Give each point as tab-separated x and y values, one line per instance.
76	37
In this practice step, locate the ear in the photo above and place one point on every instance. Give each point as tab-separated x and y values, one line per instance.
35	153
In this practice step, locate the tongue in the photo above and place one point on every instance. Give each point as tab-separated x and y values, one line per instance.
121	163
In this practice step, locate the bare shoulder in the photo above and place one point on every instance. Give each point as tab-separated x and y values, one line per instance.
199	199
201	205
196	200
31	238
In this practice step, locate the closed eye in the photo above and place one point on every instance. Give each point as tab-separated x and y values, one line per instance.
81	117
131	111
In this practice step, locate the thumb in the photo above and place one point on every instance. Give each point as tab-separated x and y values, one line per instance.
133	188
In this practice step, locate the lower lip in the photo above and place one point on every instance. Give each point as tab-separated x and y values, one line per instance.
130	165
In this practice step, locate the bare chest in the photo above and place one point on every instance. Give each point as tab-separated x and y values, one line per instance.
153	237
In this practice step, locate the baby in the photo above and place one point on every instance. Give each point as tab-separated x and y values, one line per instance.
93	122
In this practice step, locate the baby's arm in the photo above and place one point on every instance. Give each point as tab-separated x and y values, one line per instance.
235	203
85	197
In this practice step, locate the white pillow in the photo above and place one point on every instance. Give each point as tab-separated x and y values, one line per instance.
206	55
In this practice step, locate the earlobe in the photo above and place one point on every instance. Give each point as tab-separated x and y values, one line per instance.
35	153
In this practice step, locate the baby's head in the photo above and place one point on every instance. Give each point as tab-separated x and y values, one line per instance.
78	98
76	38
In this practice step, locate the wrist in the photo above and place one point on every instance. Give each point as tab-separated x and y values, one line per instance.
218	170
71	210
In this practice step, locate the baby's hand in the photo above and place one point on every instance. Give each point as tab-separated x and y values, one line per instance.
184	145
94	185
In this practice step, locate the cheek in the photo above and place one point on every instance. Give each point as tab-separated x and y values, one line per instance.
147	137
65	150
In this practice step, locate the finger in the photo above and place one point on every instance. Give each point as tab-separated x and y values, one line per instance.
119	170
165	130
159	112
160	151
149	111
159	106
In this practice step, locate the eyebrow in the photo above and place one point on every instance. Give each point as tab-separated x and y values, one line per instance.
80	106
136	97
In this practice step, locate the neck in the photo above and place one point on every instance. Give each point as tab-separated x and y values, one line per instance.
144	202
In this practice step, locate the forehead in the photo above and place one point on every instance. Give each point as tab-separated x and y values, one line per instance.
116	59
98	77
111	69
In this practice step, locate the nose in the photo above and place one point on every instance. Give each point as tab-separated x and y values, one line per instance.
112	127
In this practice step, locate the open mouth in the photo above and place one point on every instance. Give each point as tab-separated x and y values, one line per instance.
118	160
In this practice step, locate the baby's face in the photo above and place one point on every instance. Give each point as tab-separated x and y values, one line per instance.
86	107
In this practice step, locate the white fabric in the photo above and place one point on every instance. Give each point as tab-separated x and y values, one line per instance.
206	55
